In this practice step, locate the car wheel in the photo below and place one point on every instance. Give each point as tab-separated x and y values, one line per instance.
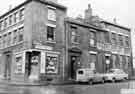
113	80
125	78
90	82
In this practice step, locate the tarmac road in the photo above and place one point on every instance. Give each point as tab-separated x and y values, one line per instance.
107	88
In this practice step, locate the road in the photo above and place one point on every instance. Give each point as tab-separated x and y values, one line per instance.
107	88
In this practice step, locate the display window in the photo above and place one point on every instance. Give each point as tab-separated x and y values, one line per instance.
51	63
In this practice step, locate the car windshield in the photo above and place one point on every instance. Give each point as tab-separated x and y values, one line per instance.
110	71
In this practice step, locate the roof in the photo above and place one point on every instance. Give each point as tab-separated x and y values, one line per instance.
27	1
120	26
78	22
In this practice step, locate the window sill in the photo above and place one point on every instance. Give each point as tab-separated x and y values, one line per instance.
51	41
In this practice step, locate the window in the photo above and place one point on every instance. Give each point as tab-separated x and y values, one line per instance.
50	33
10	19
127	41
20	34
120	40
0	25
0	41
9	39
14	36
51	63
5	23
4	40
107	38
16	17
19	66
75	38
92	61
92	38
51	14
21	16
113	38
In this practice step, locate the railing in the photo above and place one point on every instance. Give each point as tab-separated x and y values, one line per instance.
113	48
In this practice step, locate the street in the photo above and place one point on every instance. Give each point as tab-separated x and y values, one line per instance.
107	88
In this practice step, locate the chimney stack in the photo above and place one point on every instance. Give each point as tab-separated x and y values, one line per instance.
88	12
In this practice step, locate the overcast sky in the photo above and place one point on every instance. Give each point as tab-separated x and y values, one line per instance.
107	9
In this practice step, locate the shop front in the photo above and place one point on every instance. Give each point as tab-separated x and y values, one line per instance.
35	65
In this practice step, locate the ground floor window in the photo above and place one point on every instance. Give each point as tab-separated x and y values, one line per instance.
51	63
19	62
92	61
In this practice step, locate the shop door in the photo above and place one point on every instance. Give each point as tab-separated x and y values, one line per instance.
32	65
73	66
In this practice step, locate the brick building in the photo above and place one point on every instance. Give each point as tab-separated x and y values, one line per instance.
39	42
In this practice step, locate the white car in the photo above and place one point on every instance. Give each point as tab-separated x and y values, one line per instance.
88	75
115	74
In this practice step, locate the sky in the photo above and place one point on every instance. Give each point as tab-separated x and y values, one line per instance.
122	10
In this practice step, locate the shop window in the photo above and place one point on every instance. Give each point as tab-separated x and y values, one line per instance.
120	40
93	61
51	63
21	16
50	33
19	62
114	61
92	38
20	34
75	37
51	14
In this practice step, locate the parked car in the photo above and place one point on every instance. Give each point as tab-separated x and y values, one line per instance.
115	74
88	75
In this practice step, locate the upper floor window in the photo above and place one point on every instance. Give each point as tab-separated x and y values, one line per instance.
120	40
15	17
50	33
0	25
20	34
127	41
14	36
75	37
107	37
21	16
9	38
10	19
51	14
5	22
4	40
114	41
92	38
0	41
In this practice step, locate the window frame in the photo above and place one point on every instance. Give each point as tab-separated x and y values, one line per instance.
54	33
54	55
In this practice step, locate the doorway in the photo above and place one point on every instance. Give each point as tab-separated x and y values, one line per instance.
73	66
8	61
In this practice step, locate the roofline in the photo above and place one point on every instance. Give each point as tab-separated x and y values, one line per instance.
18	6
120	26
27	1
83	24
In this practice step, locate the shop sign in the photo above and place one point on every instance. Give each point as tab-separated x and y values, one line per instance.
44	47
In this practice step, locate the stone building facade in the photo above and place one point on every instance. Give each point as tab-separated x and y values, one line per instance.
39	42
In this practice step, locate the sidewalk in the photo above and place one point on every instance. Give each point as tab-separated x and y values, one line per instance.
28	83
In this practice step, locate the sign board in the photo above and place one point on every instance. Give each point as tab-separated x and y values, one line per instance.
43	47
